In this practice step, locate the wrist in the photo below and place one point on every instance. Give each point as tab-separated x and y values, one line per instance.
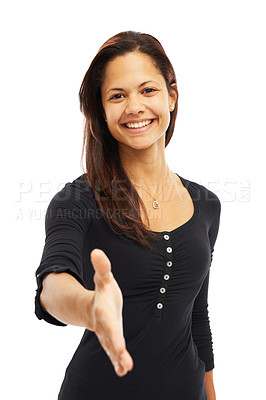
87	301
209	385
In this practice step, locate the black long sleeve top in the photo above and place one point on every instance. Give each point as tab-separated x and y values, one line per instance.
165	297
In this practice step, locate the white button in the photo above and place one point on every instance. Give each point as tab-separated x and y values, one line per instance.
166	277
169	263
159	305
166	237
162	290
169	249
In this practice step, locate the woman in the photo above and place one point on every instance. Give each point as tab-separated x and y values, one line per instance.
129	243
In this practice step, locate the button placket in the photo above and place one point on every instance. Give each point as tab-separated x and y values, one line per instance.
166	275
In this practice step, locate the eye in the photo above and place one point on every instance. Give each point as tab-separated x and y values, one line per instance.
116	96
149	90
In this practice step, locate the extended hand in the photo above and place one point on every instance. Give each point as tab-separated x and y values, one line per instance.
107	314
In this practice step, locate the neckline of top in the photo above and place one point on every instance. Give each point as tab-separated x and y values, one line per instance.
195	213
187	184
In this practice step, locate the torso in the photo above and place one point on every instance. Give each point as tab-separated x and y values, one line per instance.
176	206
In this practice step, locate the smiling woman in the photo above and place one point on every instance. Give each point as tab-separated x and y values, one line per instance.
129	97
129	266
137	114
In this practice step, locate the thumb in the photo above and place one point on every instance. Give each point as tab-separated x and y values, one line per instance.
101	265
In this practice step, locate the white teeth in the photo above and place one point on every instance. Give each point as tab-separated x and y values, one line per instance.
139	125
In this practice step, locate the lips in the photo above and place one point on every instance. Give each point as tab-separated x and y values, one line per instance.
138	124
139	130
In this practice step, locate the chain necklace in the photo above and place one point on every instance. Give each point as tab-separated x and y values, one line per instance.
155	203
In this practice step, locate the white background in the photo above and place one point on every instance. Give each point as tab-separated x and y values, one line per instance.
218	52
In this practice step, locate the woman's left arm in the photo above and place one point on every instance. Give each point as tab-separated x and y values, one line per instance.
202	336
201	331
209	385
208	378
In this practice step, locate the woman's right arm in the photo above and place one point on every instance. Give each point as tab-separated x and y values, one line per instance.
98	310
66	299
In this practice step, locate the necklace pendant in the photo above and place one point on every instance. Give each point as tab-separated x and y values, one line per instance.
155	204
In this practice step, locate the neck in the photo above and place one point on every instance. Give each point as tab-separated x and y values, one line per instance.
145	168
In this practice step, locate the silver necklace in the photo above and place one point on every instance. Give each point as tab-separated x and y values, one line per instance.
155	203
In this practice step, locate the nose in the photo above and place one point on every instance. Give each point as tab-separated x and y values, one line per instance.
134	105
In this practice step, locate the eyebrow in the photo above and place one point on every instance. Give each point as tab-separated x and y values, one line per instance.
142	84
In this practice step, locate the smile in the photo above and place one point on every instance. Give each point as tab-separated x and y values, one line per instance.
139	125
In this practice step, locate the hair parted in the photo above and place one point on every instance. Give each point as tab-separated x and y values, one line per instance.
104	171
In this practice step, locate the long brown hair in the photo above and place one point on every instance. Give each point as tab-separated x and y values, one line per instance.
104	170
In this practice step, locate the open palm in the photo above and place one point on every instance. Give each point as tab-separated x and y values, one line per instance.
106	313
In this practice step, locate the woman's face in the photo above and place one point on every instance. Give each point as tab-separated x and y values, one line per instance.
136	101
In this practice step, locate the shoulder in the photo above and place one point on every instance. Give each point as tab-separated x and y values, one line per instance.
205	196
78	189
75	195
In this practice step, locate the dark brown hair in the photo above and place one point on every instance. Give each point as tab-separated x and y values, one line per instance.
104	171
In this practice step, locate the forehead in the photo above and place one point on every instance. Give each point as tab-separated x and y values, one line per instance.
131	68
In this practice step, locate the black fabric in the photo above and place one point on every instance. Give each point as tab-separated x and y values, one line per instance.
167	331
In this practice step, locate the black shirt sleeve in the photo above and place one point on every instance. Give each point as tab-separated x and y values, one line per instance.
201	331
66	223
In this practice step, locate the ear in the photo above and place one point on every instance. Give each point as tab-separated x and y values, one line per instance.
173	96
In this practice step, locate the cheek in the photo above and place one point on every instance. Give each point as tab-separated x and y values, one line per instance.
113	115
166	121
161	109
160	105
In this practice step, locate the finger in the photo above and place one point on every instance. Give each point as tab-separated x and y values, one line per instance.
124	364
101	265
112	340
117	352
126	360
